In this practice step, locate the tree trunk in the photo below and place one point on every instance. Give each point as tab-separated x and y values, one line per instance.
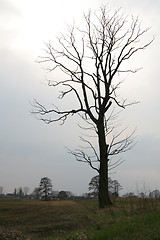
104	198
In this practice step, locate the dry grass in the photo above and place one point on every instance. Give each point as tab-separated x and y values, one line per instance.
35	218
71	220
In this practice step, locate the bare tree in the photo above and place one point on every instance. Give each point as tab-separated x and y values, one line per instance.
91	61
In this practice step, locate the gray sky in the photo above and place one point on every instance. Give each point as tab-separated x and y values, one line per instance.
29	149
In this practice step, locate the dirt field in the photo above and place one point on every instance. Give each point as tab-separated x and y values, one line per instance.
133	219
35	218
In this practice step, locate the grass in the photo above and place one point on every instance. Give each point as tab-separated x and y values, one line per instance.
141	227
134	219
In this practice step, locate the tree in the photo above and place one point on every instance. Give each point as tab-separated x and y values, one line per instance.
94	186
36	193
45	188
1	190
62	195
15	192
116	187
154	194
91	62
129	195
20	193
113	186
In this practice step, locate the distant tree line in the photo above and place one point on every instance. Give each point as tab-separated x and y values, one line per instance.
45	191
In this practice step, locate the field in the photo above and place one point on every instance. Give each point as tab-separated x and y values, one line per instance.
133	219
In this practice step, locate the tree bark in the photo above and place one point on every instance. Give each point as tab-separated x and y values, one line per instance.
104	198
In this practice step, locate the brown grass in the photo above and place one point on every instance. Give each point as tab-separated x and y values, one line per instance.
40	220
35	218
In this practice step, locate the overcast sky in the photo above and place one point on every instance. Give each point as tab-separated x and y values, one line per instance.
29	149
